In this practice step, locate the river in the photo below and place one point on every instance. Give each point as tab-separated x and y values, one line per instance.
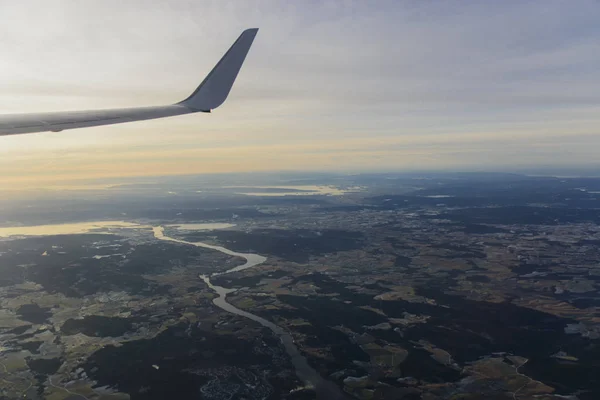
325	389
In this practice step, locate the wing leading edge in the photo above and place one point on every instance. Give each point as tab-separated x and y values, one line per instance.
211	93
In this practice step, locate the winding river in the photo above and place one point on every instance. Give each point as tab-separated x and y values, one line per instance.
325	389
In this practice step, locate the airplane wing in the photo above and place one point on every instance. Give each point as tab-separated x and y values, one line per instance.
211	93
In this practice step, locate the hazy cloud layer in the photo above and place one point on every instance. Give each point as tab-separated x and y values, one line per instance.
370	85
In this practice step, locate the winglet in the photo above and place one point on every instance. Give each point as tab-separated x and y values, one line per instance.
215	88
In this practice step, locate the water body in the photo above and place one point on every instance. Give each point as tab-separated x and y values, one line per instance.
77	228
298	190
251	259
67	229
325	389
201	227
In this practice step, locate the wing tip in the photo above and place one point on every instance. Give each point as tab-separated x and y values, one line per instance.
219	81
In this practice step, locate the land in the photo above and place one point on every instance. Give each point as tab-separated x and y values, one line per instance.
107	316
472	286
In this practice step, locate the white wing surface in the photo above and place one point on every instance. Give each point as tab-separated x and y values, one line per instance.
211	93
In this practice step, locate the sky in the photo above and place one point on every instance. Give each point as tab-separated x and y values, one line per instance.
337	85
